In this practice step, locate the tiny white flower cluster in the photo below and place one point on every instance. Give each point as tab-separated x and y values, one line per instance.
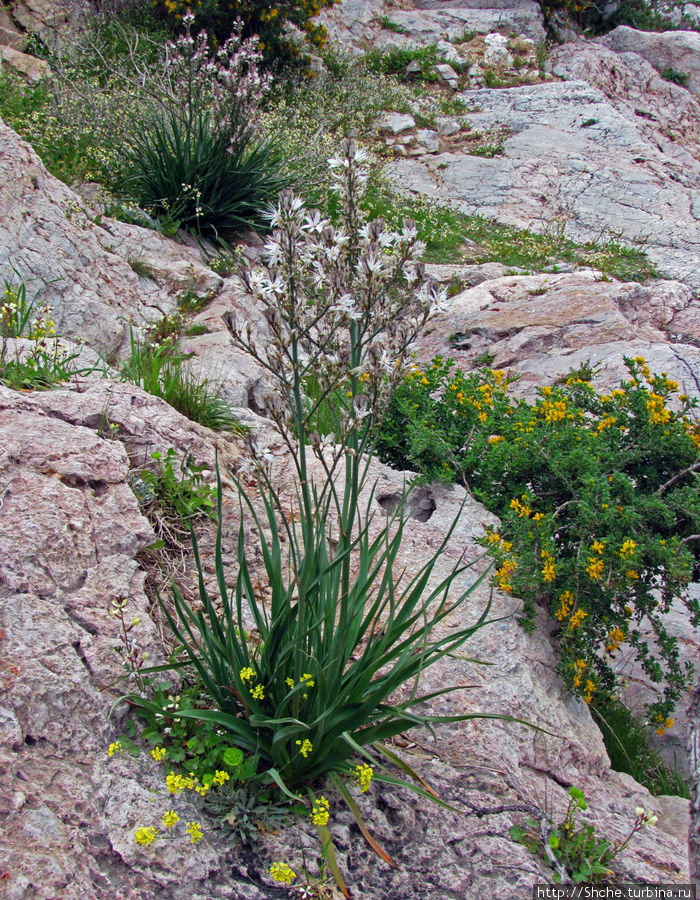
644	816
342	305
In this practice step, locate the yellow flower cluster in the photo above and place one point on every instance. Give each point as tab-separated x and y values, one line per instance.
594	569
579	667
553	410
522	509
281	872
320	812
566	602
658	414
363	776
256	691
170	818
627	549
145	836
158	753
549	572
305	747
504	575
114	747
194	829
615	638
577	618
664	724
588	691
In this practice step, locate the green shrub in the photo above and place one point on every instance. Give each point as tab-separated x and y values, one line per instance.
178	488
189	172
269	22
596	15
598	500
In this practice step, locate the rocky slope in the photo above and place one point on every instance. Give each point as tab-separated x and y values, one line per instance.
73	534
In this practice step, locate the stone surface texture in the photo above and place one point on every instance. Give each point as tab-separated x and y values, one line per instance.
678	51
605	176
356	22
611	148
82	268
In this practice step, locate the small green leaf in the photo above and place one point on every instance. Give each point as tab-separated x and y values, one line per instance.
232	757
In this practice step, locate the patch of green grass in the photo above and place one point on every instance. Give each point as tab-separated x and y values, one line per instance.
493	79
629	749
487	150
393	60
141	267
676	77
445	232
388	25
161	372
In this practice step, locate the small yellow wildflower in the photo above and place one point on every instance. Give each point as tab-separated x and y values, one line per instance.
145	836
615	638
588	693
220	777
566	603
363	776
258	692
170	818
282	872
290	683
308	679
627	549
579	667
158	753
631	574
594	569
305	746
549	572
246	674
194	829
577	618
320	812
598	546
522	510
114	747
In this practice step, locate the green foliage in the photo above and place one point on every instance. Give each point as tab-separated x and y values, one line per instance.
70	149
319	684
598	499
43	362
161	372
445	230
191	745
681	78
270	22
629	748
573	849
388	25
597	16
178	487
394	60
189	171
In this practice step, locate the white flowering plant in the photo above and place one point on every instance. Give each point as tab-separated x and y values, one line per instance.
341	629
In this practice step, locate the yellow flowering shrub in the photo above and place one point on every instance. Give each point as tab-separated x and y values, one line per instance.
599	501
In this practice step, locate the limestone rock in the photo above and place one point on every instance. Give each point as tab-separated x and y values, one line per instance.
665	112
609	174
428	140
396	123
447	75
544	325
675	50
32	68
355	22
80	267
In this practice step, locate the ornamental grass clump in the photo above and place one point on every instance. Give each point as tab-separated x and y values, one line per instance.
197	160
344	627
